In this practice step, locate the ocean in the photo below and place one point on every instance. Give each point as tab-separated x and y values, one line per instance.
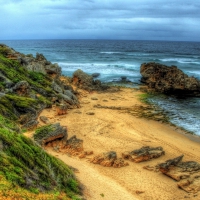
116	58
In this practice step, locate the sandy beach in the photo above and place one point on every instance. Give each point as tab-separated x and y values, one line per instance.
106	129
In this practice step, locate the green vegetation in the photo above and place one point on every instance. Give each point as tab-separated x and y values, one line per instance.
26	170
15	72
42	132
145	97
27	165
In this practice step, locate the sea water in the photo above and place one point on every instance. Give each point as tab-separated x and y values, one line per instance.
114	59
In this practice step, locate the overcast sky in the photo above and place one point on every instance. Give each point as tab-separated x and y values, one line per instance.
100	19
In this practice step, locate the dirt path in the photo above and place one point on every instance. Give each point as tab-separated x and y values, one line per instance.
116	130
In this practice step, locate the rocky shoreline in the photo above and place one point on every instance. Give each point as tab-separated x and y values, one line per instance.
82	118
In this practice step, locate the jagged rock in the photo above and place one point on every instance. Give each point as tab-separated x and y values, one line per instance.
108	159
169	80
32	123
22	88
143	154
192	184
73	97
61	109
74	144
49	133
85	81
44	119
164	167
56	87
40	64
187	173
67	99
177	169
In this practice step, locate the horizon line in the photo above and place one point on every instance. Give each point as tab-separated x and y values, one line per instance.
104	40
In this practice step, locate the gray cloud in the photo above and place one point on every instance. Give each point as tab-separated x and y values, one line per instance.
100	19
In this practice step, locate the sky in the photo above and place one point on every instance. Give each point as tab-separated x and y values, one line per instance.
170	20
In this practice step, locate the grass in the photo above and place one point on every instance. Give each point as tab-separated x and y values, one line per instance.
26	170
144	97
26	165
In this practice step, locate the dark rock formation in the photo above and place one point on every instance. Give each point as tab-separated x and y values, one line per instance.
109	159
85	81
40	64
22	88
95	75
187	173
144	154
169	80
49	133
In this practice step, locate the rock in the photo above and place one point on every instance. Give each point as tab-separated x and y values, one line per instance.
49	133
85	81
94	98
187	173
40	64
108	159
177	169
123	78
90	113
95	75
74	144
44	119
22	88
61	109
56	87
143	154
192	184
31	124
169	80
53	69
73	97
164	167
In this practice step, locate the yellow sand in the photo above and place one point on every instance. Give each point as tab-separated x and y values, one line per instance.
114	130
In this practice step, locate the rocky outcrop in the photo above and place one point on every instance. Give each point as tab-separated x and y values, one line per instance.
22	88
74	144
49	133
74	147
169	80
186	173
61	109
143	154
39	64
85	81
108	159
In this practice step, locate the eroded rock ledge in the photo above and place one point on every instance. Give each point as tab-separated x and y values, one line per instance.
169	80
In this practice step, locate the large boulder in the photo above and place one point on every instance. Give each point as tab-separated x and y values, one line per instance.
169	80
85	81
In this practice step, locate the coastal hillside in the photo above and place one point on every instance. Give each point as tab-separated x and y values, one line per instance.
27	86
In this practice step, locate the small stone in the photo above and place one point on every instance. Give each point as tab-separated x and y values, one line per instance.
94	98
90	113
